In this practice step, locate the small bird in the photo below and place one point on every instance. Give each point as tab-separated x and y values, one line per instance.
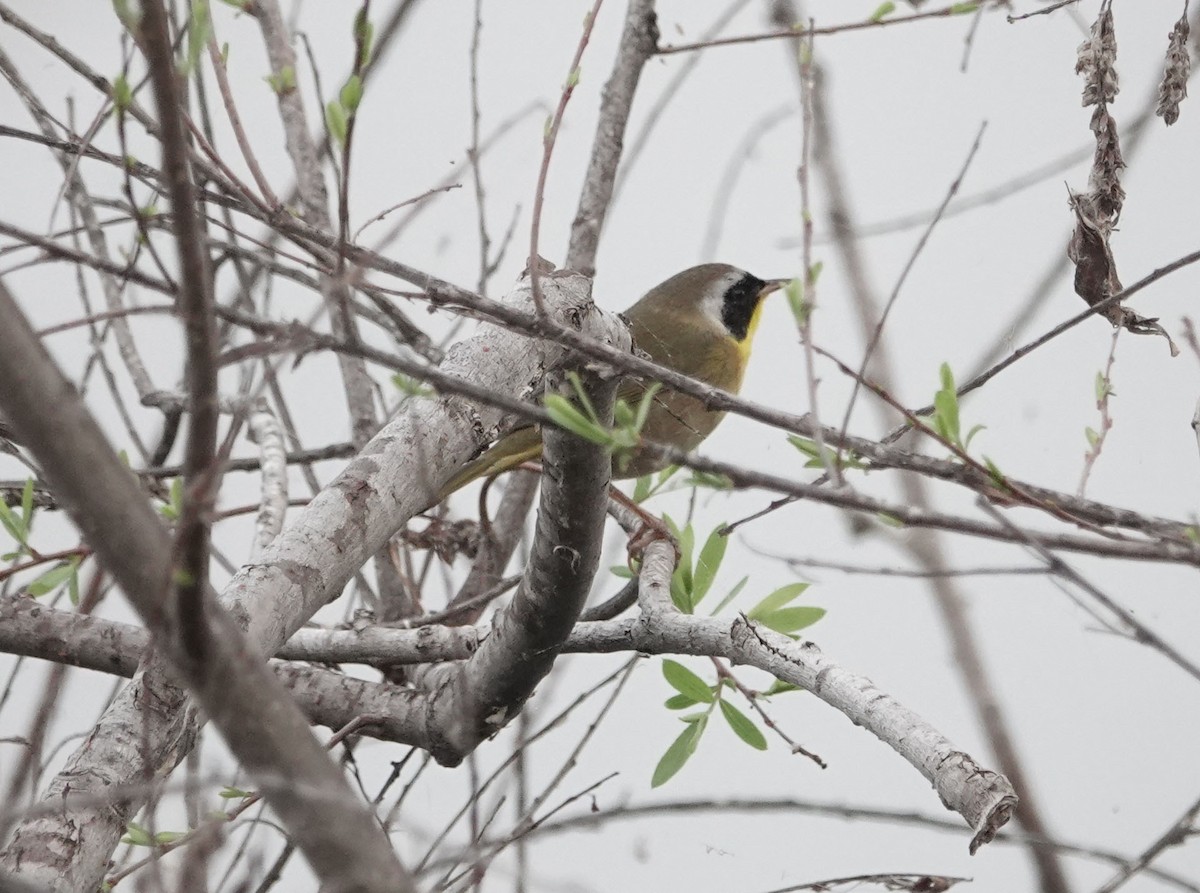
700	323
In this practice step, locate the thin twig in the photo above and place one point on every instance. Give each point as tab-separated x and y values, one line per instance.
548	140
799	30
912	260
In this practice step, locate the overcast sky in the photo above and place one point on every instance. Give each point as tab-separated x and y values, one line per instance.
1107	728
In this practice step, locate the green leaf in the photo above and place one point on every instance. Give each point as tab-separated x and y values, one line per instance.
677	754
975	429
136	835
122	93
707	565
889	520
882	11
779	687
364	35
27	503
679	702
945	404
13	523
335	120
1103	388
1092	436
584	400
743	726
680	597
174	507
413	387
686	682
199	29
284	81
733	593
806	445
710	481
565	414
573	78
622	571
776	600
686	537
994	472
164	837
789	620
641	488
957	9
53	578
125	13
643	412
351	94
229	792
794	292
623	414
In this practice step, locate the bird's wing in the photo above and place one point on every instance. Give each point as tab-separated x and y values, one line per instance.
522	445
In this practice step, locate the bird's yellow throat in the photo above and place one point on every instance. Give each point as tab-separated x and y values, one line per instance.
744	344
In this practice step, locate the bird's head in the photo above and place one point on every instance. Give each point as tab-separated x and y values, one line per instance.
723	294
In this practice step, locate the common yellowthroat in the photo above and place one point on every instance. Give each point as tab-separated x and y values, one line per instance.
699	322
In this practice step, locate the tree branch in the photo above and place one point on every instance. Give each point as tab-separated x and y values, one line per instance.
638	41
262	727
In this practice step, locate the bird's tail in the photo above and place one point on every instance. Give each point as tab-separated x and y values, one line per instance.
522	445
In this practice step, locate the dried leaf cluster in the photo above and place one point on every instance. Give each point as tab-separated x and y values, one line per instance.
1098	210
1173	88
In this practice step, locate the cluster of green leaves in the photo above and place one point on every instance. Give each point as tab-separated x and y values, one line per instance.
692	581
19	525
139	835
695	573
579	416
692	691
947	424
945	412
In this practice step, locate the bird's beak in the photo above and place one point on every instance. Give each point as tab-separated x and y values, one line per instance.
772	285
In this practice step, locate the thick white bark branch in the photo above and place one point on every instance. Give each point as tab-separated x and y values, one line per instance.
399	472
309	563
982	797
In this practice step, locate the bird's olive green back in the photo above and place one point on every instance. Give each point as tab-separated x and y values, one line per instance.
673	326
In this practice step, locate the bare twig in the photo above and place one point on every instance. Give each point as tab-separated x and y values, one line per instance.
801	30
548	139
1175	835
638	39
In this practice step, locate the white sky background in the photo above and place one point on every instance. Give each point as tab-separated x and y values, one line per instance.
1107	728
